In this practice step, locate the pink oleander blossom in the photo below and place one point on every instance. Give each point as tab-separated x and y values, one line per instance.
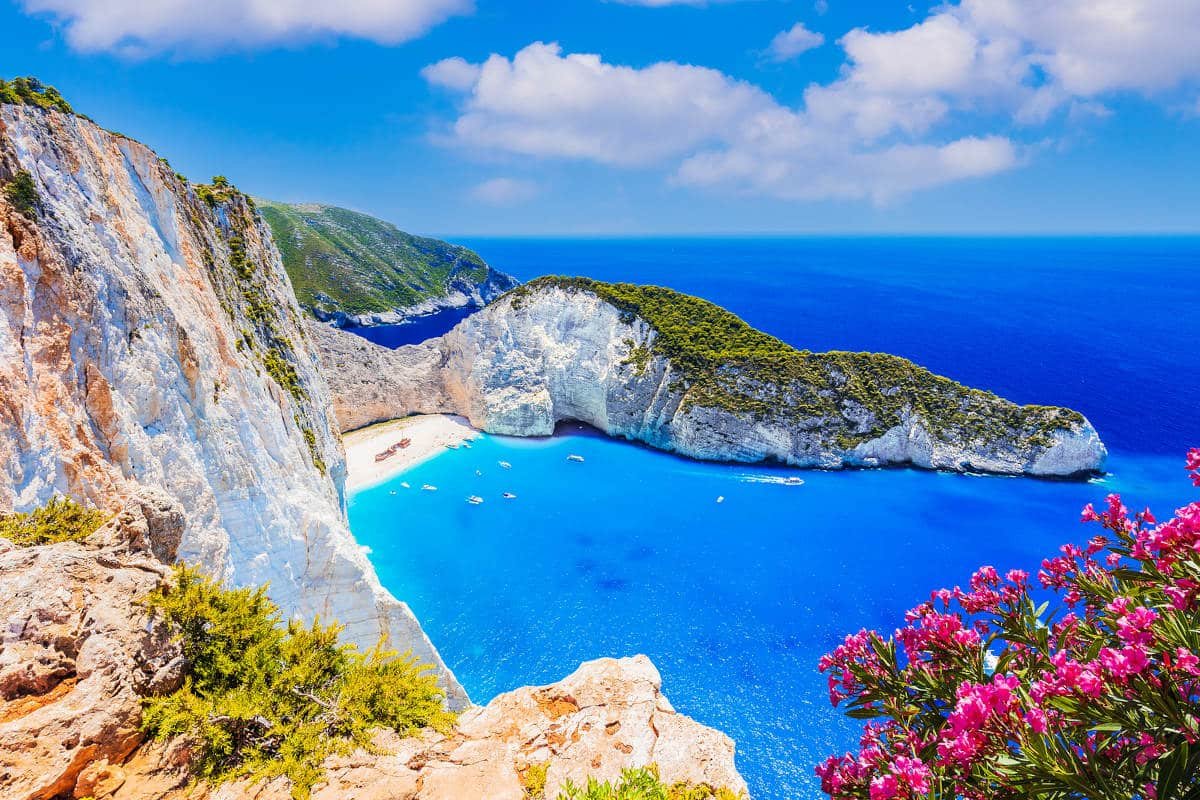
986	690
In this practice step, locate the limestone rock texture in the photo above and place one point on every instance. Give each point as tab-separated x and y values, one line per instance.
78	653
149	335
609	715
545	354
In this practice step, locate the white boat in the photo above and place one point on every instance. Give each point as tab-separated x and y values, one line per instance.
474	499
393	491
429	487
451	446
504	464
509	496
574	457
405	484
721	499
793	481
478	474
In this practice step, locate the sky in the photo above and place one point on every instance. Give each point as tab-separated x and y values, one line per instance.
647	117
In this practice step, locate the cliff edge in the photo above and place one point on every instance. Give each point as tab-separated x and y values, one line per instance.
149	334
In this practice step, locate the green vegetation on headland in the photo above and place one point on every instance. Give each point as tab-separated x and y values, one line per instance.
262	699
341	260
32	92
723	362
22	193
60	520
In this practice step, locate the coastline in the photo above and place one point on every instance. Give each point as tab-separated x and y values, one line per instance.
430	435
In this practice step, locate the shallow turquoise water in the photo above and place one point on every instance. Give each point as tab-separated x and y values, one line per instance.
735	602
629	552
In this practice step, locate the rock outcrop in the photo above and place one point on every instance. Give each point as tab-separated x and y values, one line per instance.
79	652
149	334
608	716
683	375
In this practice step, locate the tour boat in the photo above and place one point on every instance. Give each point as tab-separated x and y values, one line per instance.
474	499
405	484
504	464
509	496
793	481
574	457
429	488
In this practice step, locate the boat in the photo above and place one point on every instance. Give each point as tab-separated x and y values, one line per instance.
478	474
504	464
405	484
721	498
574	457
474	499
403	443
429	487
451	446
793	481
509	496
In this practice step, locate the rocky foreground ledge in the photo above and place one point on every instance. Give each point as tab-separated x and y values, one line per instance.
683	375
80	653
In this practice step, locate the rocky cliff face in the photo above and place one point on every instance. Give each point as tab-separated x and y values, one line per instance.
78	658
149	335
617	358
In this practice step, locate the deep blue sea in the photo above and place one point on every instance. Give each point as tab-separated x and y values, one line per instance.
735	601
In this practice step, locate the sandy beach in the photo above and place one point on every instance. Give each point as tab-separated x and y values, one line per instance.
430	434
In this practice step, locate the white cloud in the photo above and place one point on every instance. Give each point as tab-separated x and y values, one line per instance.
139	28
505	191
794	41
452	73
947	99
576	106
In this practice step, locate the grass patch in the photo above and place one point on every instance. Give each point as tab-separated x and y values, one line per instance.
60	520
644	784
263	699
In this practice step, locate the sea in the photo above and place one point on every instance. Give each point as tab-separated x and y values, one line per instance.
733	579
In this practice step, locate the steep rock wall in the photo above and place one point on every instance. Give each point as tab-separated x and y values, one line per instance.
148	335
550	353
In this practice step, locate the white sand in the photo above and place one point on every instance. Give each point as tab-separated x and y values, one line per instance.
430	434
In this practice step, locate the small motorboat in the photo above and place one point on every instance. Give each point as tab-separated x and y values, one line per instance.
474	499
451	446
404	484
509	496
721	498
478	474
575	457
429	487
793	481
504	464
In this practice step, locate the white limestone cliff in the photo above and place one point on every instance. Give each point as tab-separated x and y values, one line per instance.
150	337
548	354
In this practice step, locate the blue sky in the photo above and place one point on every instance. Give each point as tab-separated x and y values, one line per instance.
655	116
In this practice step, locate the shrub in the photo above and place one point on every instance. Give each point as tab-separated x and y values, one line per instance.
60	520
262	699
22	192
643	784
32	92
998	698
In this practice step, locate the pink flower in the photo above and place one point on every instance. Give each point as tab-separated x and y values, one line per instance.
1036	719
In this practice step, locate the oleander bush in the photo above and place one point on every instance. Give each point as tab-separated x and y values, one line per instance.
263	699
989	693
60	520
644	784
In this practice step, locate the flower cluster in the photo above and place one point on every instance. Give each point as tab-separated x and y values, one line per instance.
988	693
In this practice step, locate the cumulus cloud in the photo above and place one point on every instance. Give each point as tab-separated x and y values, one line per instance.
949	98
504	191
138	28
795	40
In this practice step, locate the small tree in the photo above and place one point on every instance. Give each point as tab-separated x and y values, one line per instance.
22	192
985	694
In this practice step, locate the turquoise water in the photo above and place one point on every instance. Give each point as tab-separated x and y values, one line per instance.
735	601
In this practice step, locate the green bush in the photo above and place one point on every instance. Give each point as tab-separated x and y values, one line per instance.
32	92
644	784
22	192
262	699
60	520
